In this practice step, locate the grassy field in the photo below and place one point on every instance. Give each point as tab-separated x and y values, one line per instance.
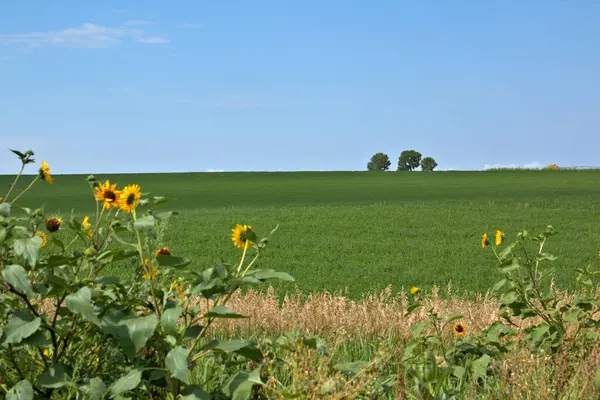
362	231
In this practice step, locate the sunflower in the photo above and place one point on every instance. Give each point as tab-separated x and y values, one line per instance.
46	353
240	236
499	238
414	290
44	238
53	224
87	227
108	194
130	197
484	240
460	329
45	173
163	252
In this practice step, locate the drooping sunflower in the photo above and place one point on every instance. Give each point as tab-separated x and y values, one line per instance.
163	251
44	238
53	224
414	290
130	197
460	329
87	226
240	236
499	237
109	194
484	240
45	173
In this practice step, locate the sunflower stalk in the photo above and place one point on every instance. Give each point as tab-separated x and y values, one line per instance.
14	182
25	190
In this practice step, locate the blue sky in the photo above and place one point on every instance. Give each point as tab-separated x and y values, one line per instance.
136	86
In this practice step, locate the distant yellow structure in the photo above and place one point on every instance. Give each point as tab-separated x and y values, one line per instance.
552	166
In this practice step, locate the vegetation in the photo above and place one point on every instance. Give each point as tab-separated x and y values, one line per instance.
379	162
409	160
428	164
70	330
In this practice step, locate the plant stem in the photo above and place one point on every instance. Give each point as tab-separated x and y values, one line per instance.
26	189
14	182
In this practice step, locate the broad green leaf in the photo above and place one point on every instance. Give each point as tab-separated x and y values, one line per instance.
28	248
481	364
316	343
352	367
264	274
410	309
17	277
244	348
21	391
132	332
418	328
239	386
222	312
80	303
453	318
127	382
499	285
458	371
193	331
21	325
596	380
38	339
2	234
144	223
55	377
96	389
194	393
171	261
176	363
5	210
169	319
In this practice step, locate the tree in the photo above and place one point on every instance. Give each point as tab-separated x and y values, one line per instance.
428	164
409	160
379	162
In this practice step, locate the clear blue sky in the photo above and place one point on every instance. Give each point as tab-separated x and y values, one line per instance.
136	86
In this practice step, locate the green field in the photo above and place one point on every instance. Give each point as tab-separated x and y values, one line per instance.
364	231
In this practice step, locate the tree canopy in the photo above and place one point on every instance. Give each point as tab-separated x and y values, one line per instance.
428	164
409	160
379	162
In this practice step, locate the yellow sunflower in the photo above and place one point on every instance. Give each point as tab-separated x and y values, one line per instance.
150	273
240	236
87	227
130	197
484	240
108	194
499	238
44	238
414	290
53	224
45	173
460	329
163	252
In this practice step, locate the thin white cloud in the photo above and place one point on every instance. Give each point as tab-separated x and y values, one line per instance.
87	36
154	40
531	165
5	58
215	170
191	26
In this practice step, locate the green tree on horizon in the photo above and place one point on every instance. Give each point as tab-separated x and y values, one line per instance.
379	162
409	160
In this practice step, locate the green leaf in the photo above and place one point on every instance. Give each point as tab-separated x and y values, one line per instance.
242	347
418	328
28	248
596	380
56	377
96	389
481	364
194	393
169	319
458	371
176	363
222	312
264	274
2	234
21	391
515	265
127	382
16	275
5	210
80	303
21	325
132	332
38	339
144	224
498	285
410	309
453	318
352	367
171	261
239	386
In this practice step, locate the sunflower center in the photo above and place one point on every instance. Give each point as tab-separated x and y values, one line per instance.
243	236
109	196
459	328
130	199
